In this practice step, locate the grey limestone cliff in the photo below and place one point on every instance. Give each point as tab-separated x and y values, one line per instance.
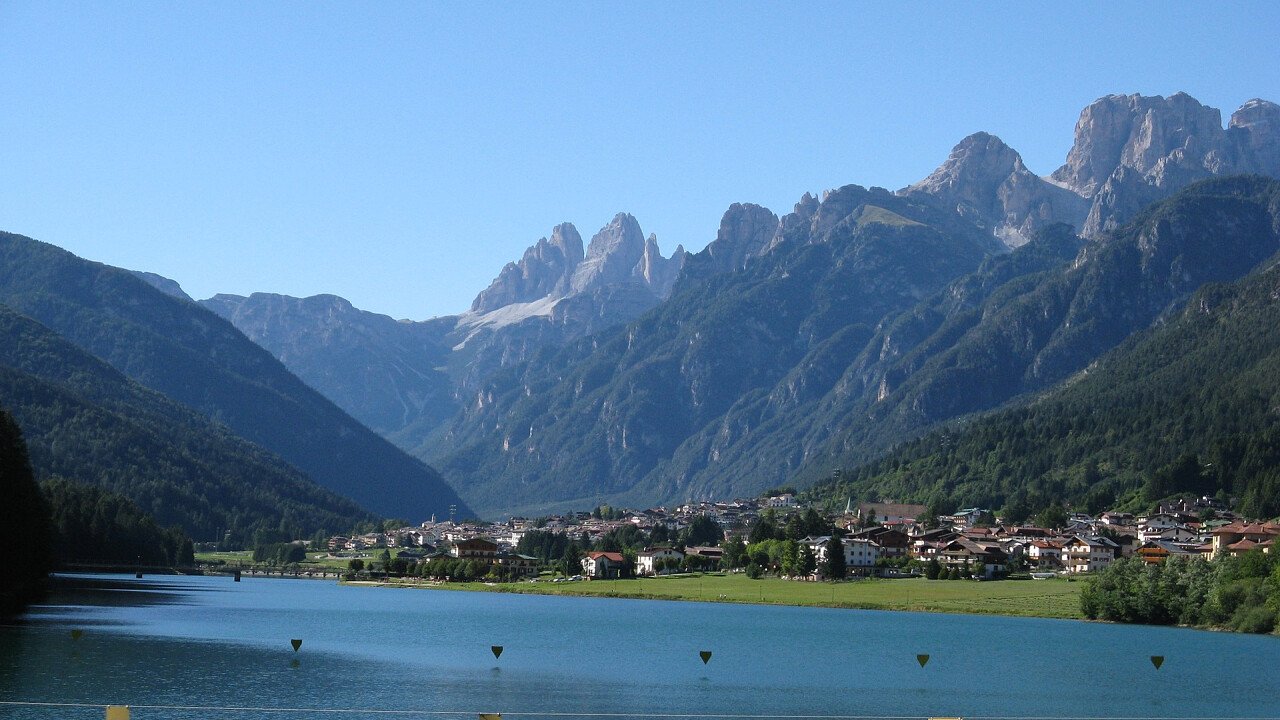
985	180
545	269
1128	151
558	293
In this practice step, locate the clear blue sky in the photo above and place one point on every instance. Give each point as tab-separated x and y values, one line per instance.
398	154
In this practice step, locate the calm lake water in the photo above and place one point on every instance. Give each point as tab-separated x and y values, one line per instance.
208	641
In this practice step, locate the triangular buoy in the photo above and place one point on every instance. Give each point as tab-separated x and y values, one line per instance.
705	655
497	651
296	643
922	659
1157	660
77	634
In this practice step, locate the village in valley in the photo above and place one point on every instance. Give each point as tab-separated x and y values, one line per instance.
774	534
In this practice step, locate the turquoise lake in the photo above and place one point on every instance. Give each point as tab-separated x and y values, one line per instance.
208	642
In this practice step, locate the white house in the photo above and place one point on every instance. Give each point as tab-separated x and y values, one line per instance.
785	500
647	559
859	553
603	565
1084	554
1045	554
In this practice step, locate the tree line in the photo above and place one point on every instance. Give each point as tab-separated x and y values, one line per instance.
1240	593
93	525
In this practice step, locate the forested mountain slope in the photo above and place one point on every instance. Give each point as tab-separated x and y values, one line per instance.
198	359
1037	330
1191	405
85	421
769	436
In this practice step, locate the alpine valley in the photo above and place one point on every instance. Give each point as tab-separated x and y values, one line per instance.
941	342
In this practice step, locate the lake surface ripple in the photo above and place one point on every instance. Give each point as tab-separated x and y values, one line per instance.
211	642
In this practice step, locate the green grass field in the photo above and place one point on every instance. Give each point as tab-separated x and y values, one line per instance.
1055	598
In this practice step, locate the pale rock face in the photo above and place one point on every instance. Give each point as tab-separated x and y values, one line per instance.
656	272
1129	150
1255	129
796	223
557	293
545	269
984	179
1156	136
1124	193
613	254
557	268
745	232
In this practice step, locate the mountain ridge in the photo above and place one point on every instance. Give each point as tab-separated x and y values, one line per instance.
192	356
1188	405
86	421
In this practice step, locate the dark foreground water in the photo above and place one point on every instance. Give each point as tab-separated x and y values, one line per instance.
213	643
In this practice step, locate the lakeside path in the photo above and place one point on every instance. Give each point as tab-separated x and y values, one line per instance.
1053	598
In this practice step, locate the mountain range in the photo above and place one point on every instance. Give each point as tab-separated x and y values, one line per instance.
1190	404
834	331
790	347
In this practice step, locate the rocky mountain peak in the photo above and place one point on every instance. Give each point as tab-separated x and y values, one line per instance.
611	256
545	269
980	160
1255	128
565	238
657	272
983	179
1129	150
1164	139
556	268
745	232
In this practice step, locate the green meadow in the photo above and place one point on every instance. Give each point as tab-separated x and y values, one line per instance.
1053	598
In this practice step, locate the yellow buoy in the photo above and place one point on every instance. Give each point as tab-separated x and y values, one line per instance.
490	716
117	712
922	659
296	643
